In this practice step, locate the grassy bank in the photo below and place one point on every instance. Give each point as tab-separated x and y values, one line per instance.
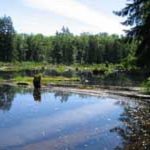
99	74
19	66
45	80
56	74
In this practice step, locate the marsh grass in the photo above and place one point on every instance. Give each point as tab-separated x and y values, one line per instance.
45	79
19	66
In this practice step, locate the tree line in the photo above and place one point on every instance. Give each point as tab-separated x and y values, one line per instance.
64	47
67	48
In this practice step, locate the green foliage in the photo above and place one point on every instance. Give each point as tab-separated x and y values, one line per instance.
129	62
68	73
146	86
138	17
45	79
6	39
20	79
63	48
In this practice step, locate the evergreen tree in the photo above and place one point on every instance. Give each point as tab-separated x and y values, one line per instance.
138	16
6	39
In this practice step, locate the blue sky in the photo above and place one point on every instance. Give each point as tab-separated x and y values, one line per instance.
47	16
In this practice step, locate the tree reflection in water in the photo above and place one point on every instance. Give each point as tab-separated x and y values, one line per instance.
62	95
37	94
136	125
7	94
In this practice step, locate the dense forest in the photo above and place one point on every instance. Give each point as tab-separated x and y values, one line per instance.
64	47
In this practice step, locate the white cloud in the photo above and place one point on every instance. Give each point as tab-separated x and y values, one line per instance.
77	11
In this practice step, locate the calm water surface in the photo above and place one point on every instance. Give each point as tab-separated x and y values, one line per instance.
48	120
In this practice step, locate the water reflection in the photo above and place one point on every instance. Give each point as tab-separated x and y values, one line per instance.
65	120
7	94
10	74
63	96
37	94
136	124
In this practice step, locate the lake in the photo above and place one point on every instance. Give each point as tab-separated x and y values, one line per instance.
56	120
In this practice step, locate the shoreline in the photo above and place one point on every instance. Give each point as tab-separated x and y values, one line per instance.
130	92
103	92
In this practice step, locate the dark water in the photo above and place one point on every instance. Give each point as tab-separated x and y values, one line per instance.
11	74
48	120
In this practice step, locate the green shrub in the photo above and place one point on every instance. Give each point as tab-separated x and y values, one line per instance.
68	73
146	86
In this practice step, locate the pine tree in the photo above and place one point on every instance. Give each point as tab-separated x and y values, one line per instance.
6	39
138	17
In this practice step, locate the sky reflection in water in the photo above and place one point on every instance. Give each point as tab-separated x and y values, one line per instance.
57	120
